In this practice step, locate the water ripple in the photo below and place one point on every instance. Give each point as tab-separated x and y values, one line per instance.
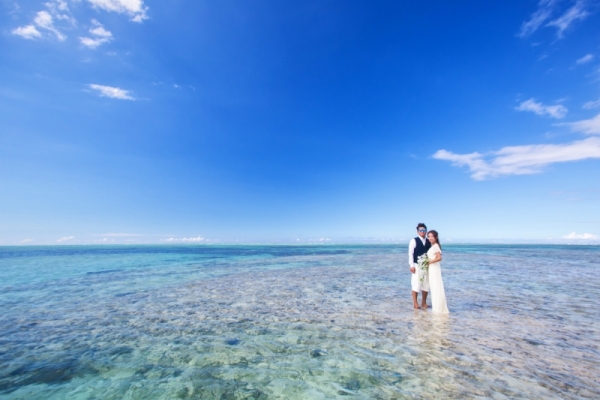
302	323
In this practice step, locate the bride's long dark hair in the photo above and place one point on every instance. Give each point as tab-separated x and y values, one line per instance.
435	235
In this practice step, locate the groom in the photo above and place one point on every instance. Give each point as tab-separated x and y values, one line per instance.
417	247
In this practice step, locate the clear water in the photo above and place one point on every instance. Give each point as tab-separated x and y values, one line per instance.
322	322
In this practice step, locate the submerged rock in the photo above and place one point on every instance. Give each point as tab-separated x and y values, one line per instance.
318	353
352	385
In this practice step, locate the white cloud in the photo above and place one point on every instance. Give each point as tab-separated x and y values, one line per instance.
60	10
572	14
119	234
581	236
99	30
57	5
587	126
44	20
99	36
65	239
61	5
92	43
27	32
134	8
522	160
585	59
555	111
190	239
591	104
26	241
544	11
112	92
474	161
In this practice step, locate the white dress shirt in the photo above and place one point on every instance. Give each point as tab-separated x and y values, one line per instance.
411	250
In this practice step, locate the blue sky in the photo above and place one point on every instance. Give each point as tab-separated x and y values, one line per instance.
138	121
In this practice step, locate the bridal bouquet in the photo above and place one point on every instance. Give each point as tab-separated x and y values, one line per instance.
423	263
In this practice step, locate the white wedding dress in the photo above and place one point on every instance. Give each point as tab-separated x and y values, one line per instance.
436	285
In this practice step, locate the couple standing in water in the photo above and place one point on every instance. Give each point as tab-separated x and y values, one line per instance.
431	279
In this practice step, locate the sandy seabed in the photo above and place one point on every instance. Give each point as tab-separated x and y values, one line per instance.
343	327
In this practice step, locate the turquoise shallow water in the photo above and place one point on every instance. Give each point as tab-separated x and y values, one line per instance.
301	322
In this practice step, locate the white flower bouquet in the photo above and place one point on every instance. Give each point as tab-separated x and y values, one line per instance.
423	263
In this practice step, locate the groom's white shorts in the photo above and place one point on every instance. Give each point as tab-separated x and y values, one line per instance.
415	281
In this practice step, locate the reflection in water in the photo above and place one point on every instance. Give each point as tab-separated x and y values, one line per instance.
268	323
440	325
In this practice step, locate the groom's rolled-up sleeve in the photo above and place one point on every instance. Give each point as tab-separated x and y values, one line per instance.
411	251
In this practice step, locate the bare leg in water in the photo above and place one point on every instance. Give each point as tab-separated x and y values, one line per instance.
415	299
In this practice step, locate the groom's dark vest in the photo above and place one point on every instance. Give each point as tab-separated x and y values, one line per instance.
420	249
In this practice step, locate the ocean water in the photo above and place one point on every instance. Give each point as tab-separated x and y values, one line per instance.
297	322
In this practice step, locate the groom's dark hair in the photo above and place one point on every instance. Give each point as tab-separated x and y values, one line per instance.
421	225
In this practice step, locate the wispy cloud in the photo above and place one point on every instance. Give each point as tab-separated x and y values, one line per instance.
591	104
26	241
58	10
581	236
546	9
529	159
44	20
65	239
543	13
587	126
585	59
189	240
136	9
118	234
522	160
99	36
92	43
112	92
99	30
577	12
27	32
555	111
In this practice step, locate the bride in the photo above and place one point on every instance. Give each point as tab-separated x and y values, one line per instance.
436	285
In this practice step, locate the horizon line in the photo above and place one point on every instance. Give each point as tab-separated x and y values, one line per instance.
331	243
